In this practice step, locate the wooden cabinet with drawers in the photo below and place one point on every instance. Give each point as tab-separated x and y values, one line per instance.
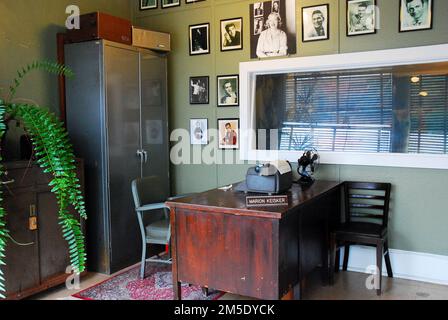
37	257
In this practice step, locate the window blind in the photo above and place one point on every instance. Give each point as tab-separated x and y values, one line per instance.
429	118
350	112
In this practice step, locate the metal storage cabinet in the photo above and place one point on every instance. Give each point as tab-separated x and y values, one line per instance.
117	119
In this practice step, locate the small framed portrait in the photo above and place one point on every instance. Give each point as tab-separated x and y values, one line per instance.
315	23
199	90
148	4
228	91
199	39
228	133
199	131
258	9
231	34
361	17
192	1
170	3
415	15
275	6
258	25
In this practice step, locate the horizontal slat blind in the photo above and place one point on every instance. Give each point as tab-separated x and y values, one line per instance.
338	113
354	113
429	119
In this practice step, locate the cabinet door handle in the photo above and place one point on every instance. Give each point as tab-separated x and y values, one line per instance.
8	182
145	156
140	153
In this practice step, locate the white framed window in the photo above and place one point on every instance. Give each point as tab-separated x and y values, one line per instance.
381	108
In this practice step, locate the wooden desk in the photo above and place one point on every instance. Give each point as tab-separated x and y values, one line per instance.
219	243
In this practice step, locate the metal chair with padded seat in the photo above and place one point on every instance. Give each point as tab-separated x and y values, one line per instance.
158	230
366	220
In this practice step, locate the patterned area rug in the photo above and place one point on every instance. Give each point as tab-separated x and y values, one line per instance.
156	286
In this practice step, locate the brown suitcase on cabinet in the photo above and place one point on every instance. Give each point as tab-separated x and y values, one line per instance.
160	41
97	25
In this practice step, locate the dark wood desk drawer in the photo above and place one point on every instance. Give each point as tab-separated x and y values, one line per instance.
229	253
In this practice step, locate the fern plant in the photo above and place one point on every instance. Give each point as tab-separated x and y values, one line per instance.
55	156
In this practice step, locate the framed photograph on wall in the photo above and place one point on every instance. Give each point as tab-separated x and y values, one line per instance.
258	9
228	91
415	15
361	17
193	1
316	23
199	131
199	90
231	34
148	4
272	28
228	133
170	3
199	39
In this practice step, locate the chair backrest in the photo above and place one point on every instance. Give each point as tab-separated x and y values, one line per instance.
146	191
367	201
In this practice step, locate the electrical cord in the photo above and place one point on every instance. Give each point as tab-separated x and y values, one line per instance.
20	244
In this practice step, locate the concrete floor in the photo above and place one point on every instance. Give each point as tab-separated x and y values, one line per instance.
348	286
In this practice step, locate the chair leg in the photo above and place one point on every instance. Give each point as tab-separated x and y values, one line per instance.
346	256
379	265
143	264
337	261
332	258
387	259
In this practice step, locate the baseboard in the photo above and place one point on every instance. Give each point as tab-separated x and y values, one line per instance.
409	265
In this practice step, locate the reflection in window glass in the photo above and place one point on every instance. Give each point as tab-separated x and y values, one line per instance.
385	110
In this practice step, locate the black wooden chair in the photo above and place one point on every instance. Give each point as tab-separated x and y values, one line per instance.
366	218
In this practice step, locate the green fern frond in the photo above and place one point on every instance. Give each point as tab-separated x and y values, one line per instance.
48	66
54	152
4	233
55	155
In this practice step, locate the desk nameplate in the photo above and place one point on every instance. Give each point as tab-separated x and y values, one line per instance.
266	201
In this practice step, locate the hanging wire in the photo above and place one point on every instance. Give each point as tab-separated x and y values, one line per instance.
18	243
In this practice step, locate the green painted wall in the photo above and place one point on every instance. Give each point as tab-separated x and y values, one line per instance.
419	216
28	32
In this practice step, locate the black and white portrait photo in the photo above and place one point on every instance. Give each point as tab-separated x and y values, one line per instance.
361	17
315	23
258	25
415	15
228	88
231	34
258	9
199	131
273	28
199	90
275	6
148	4
199	39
